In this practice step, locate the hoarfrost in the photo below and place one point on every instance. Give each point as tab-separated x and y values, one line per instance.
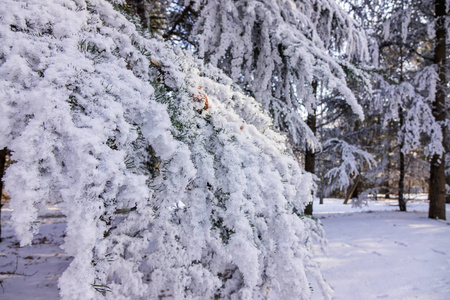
155	184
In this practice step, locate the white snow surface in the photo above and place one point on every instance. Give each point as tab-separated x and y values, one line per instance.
32	272
378	252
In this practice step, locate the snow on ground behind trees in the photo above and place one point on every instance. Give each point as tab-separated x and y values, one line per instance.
377	252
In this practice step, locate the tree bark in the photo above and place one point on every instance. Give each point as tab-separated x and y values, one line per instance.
310	155
447	172
401	184
353	189
387	194
437	169
357	190
401	181
322	190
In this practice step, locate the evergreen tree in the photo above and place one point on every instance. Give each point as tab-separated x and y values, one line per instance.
404	85
171	178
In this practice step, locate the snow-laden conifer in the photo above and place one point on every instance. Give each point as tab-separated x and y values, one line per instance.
405	81
351	162
171	179
276	49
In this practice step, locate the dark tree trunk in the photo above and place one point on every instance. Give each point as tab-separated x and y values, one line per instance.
401	181
356	191
310	155
437	169
447	174
387	194
437	189
321	193
3	154
353	193
401	184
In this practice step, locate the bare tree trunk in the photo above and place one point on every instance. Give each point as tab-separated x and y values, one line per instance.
353	190
437	169
401	114
447	172
401	181
401	184
357	190
387	194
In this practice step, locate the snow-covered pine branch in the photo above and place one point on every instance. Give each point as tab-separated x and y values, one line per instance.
276	49
163	194
415	99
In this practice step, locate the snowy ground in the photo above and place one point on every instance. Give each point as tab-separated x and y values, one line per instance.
375	252
32	272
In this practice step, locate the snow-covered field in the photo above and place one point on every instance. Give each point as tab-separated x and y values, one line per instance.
378	252
375	252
